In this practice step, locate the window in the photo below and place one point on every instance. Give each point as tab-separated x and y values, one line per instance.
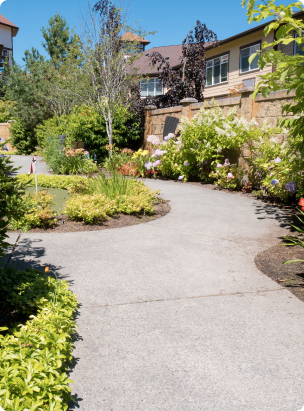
246	52
151	87
217	70
298	48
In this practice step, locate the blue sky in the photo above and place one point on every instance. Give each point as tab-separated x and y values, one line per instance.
170	18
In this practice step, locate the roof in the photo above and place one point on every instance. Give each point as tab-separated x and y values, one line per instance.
6	22
128	36
174	54
297	14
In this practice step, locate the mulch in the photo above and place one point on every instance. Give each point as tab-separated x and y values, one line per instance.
64	225
291	276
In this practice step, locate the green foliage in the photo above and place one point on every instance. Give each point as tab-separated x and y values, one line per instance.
6	111
34	357
207	140
38	214
289	72
51	181
229	176
68	161
12	204
58	38
93	199
108	196
85	124
23	140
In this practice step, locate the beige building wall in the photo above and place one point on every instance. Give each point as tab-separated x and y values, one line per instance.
235	78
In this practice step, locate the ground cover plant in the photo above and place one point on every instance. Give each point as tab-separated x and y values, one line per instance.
34	355
92	200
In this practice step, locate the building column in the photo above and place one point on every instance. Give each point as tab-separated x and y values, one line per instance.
247	102
148	125
186	109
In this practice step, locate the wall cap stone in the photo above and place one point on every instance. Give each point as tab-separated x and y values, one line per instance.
275	95
188	100
150	108
246	90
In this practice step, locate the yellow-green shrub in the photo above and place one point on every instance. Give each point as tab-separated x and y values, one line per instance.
91	209
52	181
34	357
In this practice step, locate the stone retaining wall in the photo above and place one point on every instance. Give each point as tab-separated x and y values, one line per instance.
261	108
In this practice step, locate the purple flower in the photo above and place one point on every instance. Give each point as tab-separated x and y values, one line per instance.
169	136
153	155
291	187
271	174
229	175
157	163
180	177
186	163
274	182
227	162
219	165
159	152
148	165
277	160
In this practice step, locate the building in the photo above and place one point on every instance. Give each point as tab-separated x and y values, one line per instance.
227	66
8	31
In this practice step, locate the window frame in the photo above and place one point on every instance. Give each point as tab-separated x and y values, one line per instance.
147	80
227	53
255	43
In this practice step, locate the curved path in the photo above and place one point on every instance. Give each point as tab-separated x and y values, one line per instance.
174	314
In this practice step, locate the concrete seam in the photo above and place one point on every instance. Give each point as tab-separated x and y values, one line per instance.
183	298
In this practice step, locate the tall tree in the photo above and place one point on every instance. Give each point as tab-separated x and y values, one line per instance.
58	38
106	68
190	78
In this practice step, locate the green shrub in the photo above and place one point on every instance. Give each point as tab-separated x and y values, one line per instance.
34	357
12	204
6	107
38	214
229	176
69	160
84	124
92	209
23	140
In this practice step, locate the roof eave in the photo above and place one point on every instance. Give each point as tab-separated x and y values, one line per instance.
250	31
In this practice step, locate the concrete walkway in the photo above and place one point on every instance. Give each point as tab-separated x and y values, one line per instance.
174	314
25	161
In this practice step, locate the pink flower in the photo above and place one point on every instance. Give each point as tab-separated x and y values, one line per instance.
229	175
86	153
157	163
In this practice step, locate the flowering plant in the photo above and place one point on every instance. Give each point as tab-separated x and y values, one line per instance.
228	175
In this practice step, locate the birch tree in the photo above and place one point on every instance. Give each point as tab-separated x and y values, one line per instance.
106	66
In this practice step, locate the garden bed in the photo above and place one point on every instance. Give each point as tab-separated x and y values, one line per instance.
64	225
291	276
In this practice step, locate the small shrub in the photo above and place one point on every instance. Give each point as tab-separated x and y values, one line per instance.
34	357
39	212
92	209
228	176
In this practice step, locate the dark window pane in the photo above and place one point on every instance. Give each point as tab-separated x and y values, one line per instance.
151	87
159	87
224	71
217	72
209	76
143	88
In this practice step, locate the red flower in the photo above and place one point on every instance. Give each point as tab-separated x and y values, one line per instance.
301	202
